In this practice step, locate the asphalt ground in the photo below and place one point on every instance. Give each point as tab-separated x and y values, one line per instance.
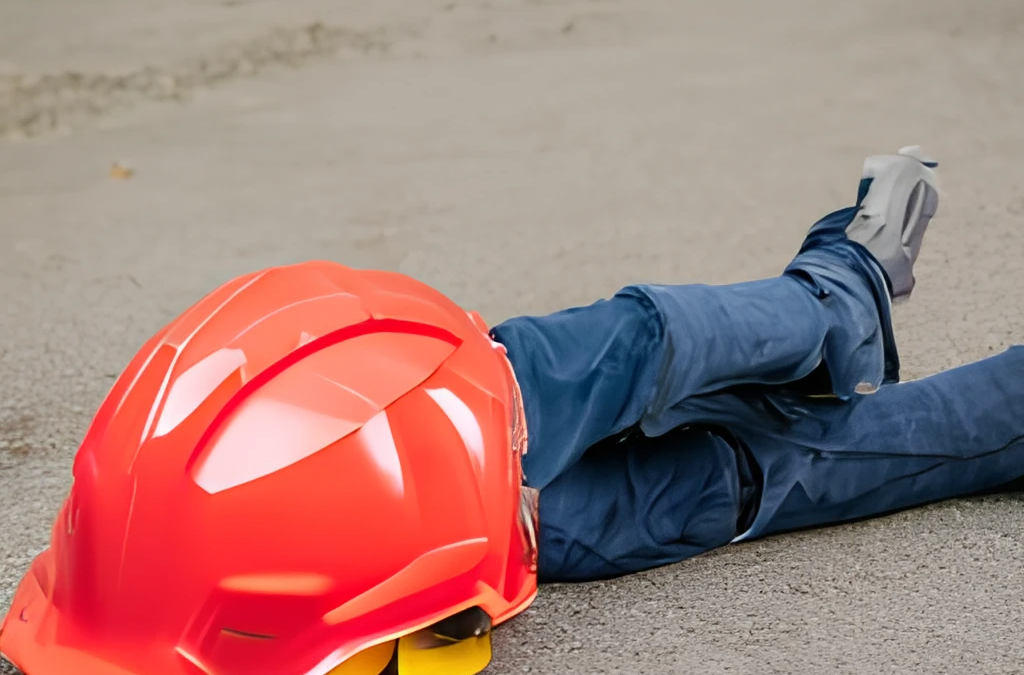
524	156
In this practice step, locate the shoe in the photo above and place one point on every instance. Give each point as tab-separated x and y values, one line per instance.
901	198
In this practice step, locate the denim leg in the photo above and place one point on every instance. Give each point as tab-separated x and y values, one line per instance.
950	435
638	358
641	503
646	502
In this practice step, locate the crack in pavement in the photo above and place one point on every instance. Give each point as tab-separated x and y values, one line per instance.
35	105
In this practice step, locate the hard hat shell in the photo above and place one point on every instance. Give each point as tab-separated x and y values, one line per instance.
309	463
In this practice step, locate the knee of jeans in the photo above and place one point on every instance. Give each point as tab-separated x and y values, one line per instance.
712	495
630	506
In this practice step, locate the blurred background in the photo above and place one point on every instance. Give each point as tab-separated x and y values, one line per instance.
523	156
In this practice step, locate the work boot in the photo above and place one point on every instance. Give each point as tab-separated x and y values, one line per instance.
898	198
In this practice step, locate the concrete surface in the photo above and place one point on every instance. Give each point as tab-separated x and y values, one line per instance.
524	155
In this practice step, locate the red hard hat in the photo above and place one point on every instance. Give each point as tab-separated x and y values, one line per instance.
313	470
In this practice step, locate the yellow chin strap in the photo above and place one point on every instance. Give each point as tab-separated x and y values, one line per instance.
370	661
422	653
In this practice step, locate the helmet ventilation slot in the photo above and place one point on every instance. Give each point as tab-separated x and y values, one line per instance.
246	634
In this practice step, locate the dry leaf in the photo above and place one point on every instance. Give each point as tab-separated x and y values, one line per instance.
121	171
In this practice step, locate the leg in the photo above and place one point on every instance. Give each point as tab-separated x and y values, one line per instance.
636	359
953	434
648	502
642	503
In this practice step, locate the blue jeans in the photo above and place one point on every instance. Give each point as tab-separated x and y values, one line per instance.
671	420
